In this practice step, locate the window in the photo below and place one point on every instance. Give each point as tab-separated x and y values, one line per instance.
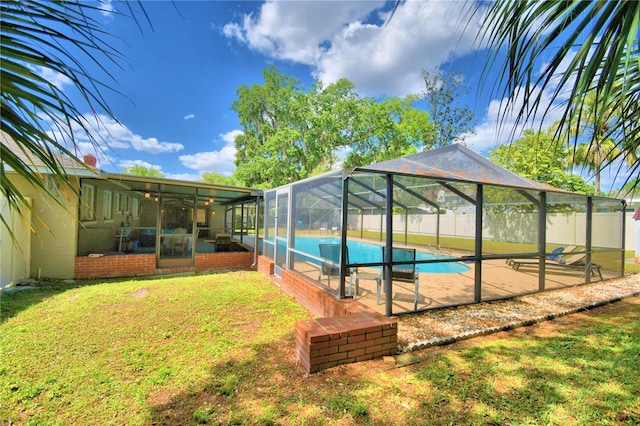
125	203
116	203
135	211
201	216
107	205
87	202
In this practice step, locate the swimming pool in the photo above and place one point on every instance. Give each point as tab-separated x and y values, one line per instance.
363	252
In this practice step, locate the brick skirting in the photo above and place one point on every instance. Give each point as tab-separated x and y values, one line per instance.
133	265
345	332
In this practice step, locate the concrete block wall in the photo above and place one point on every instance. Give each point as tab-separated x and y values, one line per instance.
327	342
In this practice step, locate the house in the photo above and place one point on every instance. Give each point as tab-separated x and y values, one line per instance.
114	225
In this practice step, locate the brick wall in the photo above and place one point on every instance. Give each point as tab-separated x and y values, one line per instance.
265	266
326	342
131	265
224	260
315	299
346	331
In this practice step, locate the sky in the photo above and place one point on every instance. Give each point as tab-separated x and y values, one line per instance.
180	73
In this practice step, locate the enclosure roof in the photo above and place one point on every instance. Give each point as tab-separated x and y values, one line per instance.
458	163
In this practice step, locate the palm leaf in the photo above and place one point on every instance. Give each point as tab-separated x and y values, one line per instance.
63	38
585	47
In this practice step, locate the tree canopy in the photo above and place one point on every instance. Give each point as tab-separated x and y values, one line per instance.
452	120
215	177
289	133
537	156
140	170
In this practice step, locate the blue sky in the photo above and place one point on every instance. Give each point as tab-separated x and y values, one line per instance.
178	78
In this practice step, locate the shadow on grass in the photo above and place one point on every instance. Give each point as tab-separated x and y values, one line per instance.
586	376
217	400
268	388
18	299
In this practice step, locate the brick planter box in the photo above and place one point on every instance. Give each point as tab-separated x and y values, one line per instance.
326	342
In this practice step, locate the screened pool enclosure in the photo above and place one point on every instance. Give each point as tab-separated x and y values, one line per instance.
440	228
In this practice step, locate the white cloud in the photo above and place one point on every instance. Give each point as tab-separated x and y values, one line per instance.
57	79
356	40
106	8
189	116
500	125
221	161
110	134
230	137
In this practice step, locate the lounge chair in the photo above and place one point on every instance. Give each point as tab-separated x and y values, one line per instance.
575	262
331	267
405	273
556	254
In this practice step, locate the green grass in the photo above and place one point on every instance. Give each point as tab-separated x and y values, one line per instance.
218	349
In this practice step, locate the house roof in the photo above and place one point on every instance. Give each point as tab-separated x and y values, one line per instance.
457	163
143	184
70	165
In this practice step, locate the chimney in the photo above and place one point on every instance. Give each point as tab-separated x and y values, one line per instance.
90	160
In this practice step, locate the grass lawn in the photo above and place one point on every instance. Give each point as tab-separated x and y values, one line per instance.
218	349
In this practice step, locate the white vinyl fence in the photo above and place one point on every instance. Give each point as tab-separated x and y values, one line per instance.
521	227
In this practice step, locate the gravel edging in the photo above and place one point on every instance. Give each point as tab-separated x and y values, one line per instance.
449	325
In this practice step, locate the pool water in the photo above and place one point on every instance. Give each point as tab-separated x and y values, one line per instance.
362	252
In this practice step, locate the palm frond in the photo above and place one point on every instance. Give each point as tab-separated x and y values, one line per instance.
63	38
582	47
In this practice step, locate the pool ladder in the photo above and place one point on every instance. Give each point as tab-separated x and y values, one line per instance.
439	249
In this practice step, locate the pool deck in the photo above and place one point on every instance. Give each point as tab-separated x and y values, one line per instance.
437	290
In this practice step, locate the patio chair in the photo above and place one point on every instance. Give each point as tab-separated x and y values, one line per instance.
330	267
180	241
404	273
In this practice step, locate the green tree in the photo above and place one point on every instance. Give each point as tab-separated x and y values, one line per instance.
600	149
631	189
585	49
140	170
215	177
58	37
289	134
451	120
537	156
389	129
